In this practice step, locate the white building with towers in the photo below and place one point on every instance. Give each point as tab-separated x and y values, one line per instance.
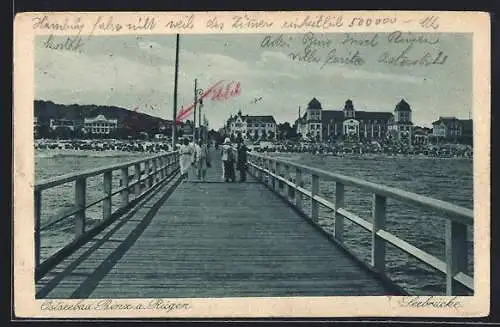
318	124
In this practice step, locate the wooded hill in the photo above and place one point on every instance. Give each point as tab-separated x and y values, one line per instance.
46	110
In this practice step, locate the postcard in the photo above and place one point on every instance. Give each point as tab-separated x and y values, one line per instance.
251	164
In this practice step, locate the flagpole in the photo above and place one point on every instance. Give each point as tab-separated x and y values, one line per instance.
174	122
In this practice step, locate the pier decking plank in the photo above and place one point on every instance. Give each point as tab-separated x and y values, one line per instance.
210	239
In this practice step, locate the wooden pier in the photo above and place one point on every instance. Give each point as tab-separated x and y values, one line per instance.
178	238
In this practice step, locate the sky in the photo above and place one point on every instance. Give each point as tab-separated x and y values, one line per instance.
138	72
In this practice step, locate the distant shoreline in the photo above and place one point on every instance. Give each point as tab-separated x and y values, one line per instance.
60	153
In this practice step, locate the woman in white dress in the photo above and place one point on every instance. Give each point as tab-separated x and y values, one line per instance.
186	157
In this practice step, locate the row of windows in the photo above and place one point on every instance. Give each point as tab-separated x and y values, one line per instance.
261	125
251	125
61	123
100	130
404	116
100	124
365	122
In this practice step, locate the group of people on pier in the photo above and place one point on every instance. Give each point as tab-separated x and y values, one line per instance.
195	159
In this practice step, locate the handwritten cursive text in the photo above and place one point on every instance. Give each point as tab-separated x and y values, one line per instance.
246	21
44	23
319	22
406	59
399	37
430	301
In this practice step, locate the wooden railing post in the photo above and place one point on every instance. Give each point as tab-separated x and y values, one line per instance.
286	190
160	168
260	175
256	170
80	197
155	171
166	163
124	179
339	219
378	244
456	255
161	160
264	174
174	163
270	170
38	211
106	203
263	165
146	172
273	168
267	165
250	167
253	168
137	174
278	184
298	182
314	203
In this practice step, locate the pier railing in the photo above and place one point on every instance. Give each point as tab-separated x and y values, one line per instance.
274	171
136	179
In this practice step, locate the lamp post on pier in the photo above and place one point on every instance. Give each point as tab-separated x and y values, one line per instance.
200	102
176	73
197	92
194	113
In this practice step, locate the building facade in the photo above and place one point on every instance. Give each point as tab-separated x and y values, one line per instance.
328	125
402	126
100	125
421	135
446	127
251	127
452	128
61	123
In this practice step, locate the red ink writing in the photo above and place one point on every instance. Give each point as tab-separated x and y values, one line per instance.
217	92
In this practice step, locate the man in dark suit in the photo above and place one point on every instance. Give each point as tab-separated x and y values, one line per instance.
242	160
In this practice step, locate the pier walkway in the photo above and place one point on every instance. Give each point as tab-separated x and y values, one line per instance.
177	238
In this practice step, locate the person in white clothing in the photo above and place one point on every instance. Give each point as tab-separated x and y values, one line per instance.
186	157
196	159
227	157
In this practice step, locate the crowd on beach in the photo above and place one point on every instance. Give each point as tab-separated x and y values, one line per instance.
103	145
430	150
445	150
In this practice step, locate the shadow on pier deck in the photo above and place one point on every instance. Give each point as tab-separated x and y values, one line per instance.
210	239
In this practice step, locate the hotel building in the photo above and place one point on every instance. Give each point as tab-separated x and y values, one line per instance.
251	127
328	125
99	125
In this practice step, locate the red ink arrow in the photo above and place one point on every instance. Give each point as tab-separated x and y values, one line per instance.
232	89
185	112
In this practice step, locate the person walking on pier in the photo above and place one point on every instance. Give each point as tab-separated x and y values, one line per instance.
242	160
203	159
195	160
227	157
186	157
